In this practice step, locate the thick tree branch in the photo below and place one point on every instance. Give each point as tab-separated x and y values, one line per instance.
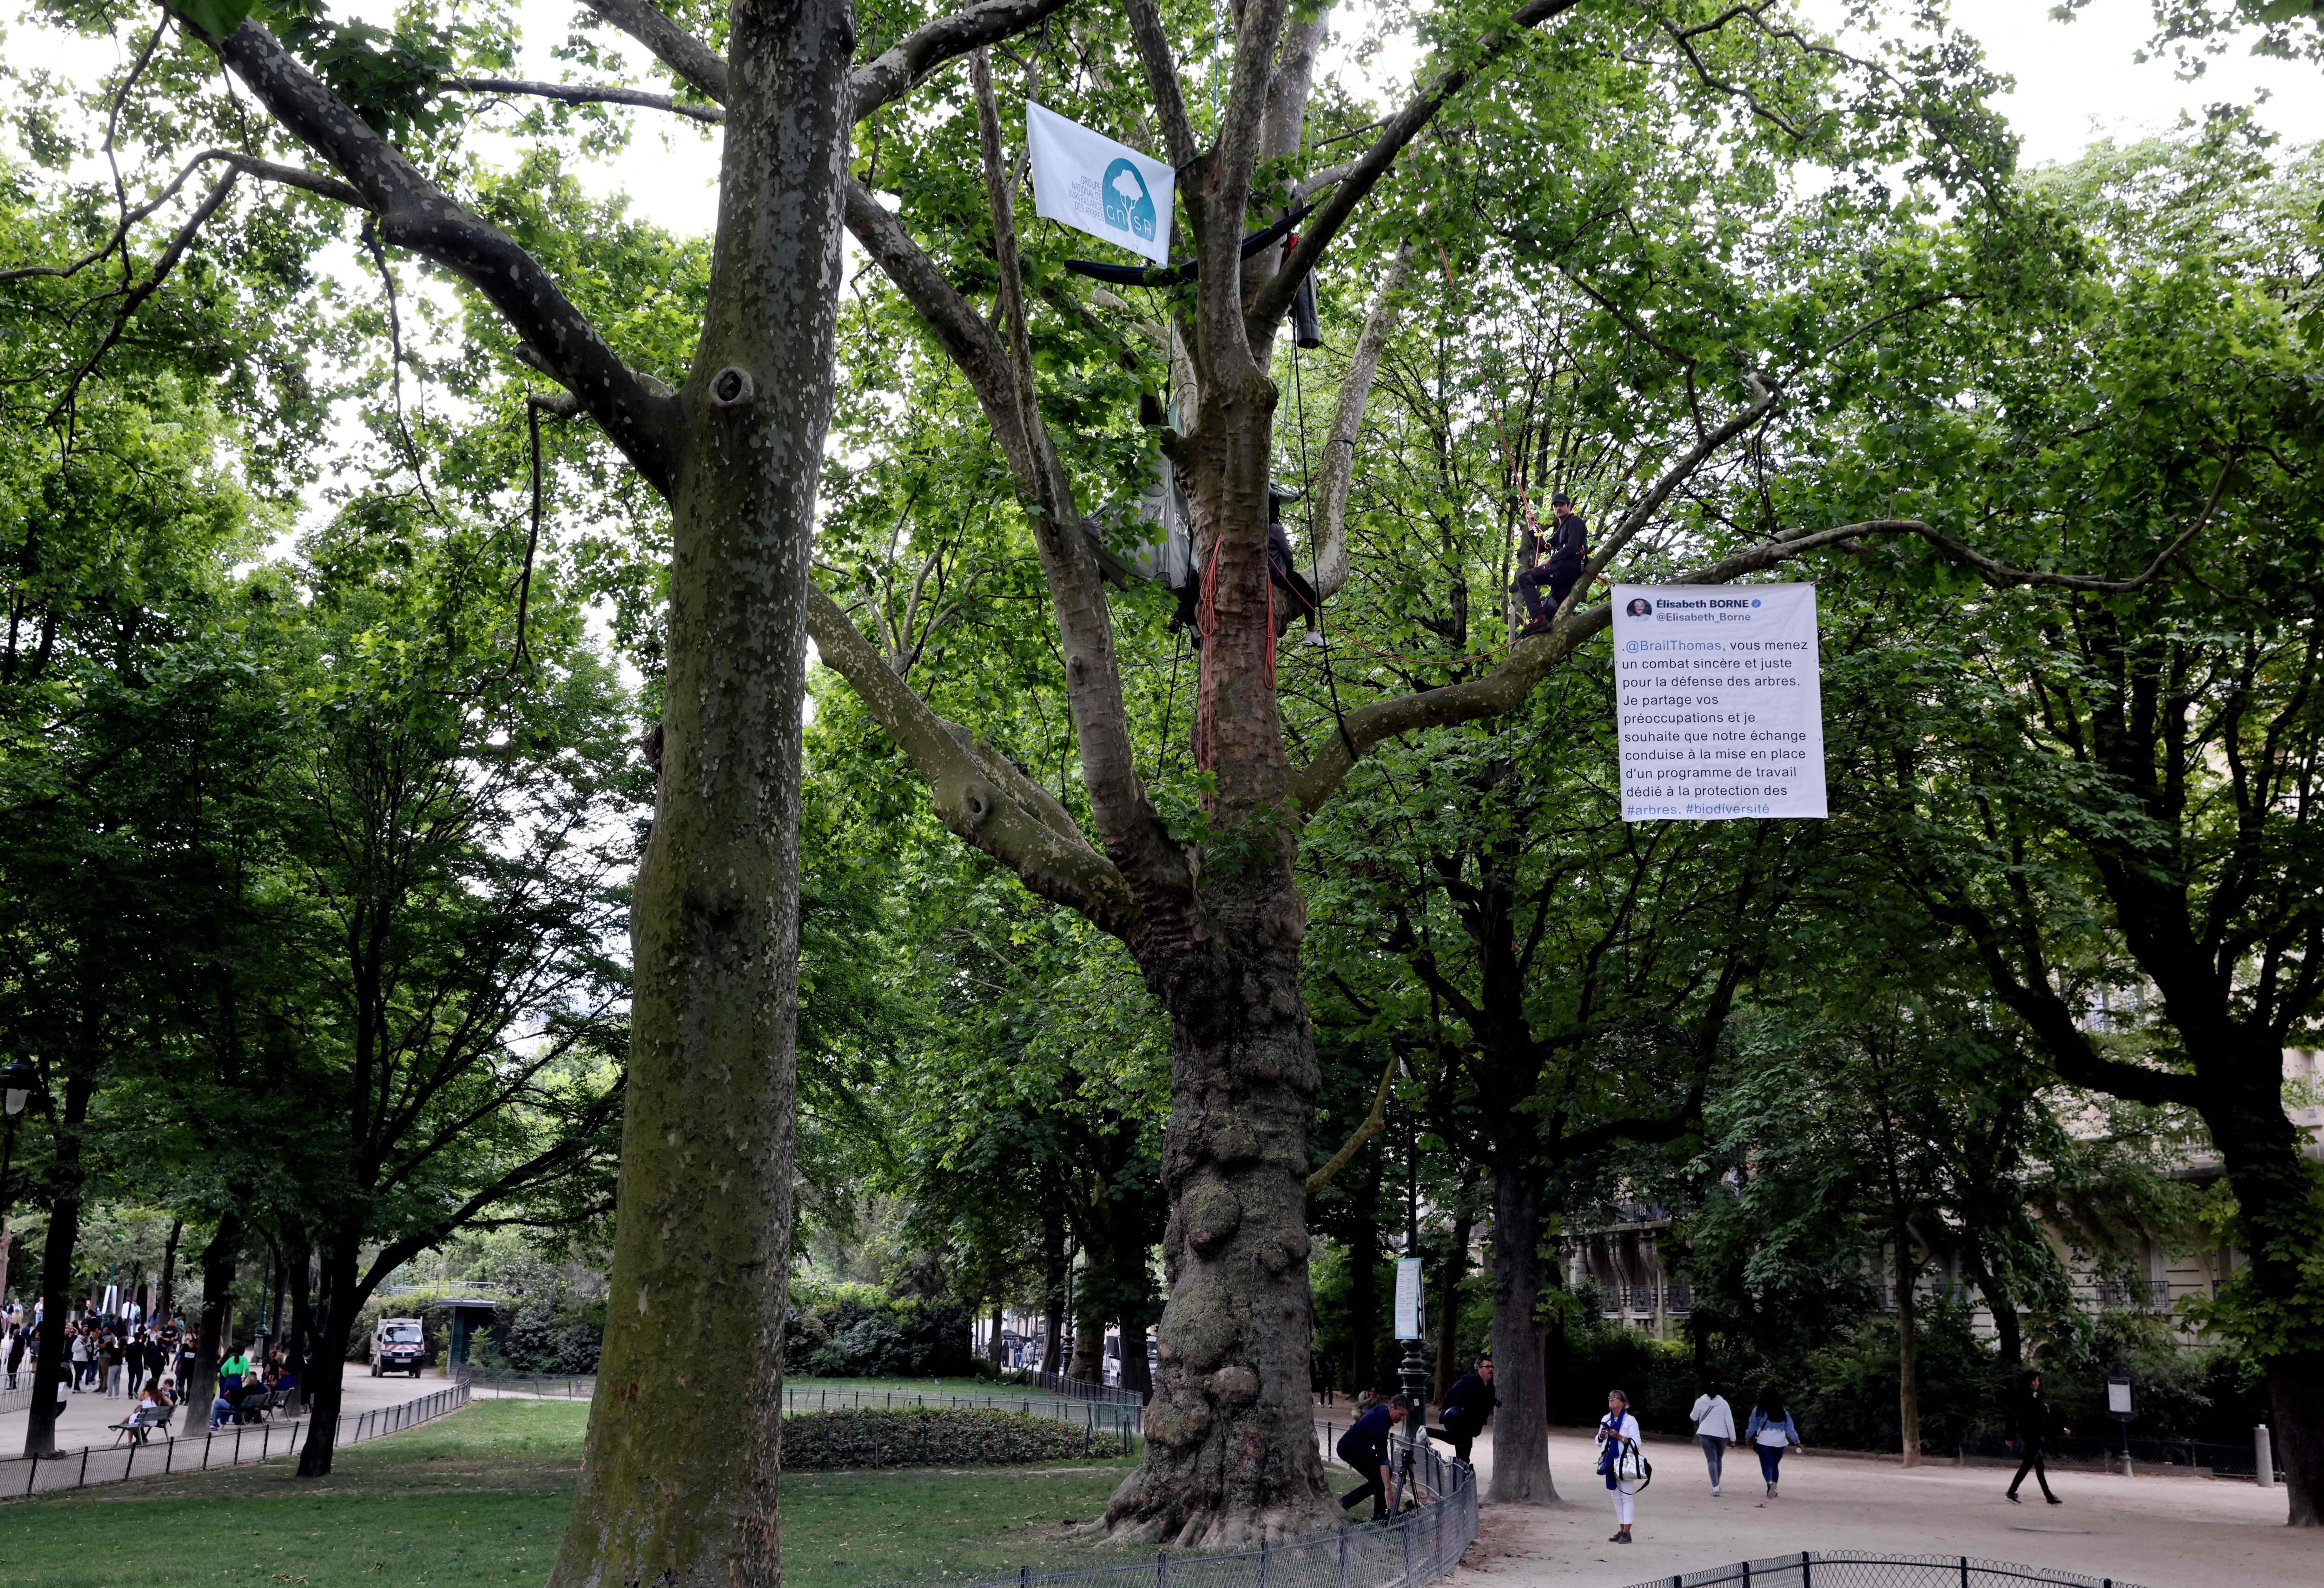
979	793
908	62
1275	299
691	59
1153	42
1373	1122
1338	469
637	413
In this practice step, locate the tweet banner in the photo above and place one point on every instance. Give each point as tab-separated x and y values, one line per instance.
1716	688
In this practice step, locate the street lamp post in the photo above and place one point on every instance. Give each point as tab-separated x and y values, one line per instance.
2122	1404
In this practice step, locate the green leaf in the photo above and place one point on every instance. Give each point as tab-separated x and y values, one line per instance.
216	18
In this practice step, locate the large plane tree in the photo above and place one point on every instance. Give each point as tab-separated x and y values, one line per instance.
679	1479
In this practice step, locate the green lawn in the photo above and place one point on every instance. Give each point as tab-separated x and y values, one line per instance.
480	1497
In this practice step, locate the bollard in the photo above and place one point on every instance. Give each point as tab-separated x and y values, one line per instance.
2263	1455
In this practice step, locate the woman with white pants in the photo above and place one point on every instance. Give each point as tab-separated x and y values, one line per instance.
1618	1437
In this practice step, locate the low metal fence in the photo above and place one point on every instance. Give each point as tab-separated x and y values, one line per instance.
238	1444
1856	1568
1424	1543
547	1386
1074	1388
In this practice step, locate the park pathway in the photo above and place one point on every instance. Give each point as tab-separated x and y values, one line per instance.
2159	1531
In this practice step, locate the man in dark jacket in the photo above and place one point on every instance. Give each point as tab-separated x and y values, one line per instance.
2029	1429
1467	1405
1364	1446
1553	562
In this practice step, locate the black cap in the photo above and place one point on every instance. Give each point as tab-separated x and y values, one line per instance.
1278	492
1561	500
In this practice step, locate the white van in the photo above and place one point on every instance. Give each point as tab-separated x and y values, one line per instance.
397	1346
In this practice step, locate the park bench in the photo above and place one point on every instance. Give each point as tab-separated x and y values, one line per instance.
257	1404
143	1423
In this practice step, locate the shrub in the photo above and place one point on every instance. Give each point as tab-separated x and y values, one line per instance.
857	1332
948	1436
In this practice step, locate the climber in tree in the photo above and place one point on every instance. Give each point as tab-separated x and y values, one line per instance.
1281	568
1553	562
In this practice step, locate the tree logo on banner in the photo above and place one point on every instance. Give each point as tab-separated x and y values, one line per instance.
1128	204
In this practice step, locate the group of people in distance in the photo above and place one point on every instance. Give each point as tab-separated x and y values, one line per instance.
1769	1430
124	1354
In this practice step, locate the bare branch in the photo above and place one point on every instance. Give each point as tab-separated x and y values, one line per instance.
248	165
582	94
1275	299
1339	466
1373	1123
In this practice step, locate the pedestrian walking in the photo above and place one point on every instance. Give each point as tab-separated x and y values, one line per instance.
1714	1429
1467	1405
1622	1461
1771	1433
2029	1433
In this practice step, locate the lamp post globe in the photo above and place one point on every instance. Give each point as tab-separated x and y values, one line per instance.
18	1082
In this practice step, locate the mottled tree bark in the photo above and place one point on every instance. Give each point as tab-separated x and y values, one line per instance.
678	1486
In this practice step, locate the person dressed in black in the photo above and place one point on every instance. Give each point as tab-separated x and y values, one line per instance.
1467	1405
1553	562
2029	1431
1282	572
1281	567
1364	1446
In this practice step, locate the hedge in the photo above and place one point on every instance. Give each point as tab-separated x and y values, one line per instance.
947	1436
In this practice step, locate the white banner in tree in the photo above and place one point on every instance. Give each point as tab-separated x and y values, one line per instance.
1095	185
1407	1299
1717	690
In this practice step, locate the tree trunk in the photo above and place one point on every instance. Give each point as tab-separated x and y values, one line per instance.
169	1298
1088	1363
1137	1372
1908	1352
1055	1264
326	1386
67	1178
198	1386
2280	1214
1230	1454
1453	1269
302	1315
2008	1336
678	1481
1521	1473
993	1347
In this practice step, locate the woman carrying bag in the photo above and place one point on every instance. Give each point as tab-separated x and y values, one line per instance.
1622	1461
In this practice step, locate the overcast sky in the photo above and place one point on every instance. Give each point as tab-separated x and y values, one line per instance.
2074	81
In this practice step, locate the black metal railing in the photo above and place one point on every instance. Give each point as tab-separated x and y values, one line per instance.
1423	1543
1856	1568
236	1445
1074	1388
